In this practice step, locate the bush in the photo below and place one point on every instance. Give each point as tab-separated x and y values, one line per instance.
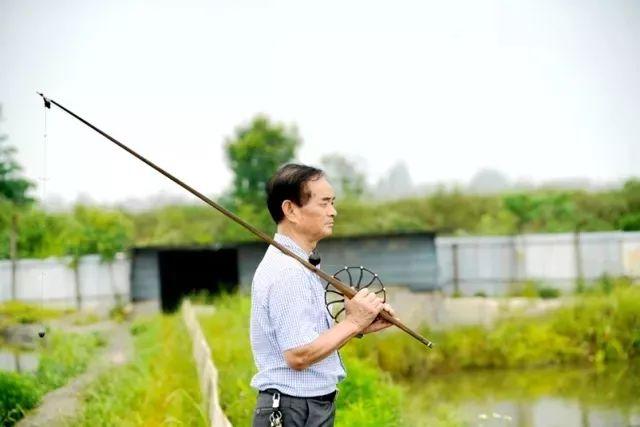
533	289
547	292
367	396
597	329
12	312
19	393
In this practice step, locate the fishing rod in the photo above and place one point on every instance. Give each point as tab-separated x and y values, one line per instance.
337	284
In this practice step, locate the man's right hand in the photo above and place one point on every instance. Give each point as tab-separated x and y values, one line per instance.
363	308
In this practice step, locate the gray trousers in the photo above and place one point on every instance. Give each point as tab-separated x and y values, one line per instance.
296	411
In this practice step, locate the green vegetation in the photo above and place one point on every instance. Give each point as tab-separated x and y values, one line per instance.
95	230
86	230
159	386
64	357
254	153
19	394
13	312
600	327
448	213
367	396
533	289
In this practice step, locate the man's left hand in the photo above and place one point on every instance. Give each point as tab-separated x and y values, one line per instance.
380	323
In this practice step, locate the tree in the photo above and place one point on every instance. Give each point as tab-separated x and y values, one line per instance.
97	231
525	208
347	179
488	181
630	221
396	184
254	154
13	194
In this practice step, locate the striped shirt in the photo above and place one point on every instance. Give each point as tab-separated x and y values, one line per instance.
288	311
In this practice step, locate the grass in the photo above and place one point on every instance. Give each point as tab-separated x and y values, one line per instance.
17	312
158	387
367	396
64	357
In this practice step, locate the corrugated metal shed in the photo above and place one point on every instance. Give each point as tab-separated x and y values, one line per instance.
145	275
167	274
407	259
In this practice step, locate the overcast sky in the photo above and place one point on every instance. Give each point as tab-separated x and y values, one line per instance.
536	89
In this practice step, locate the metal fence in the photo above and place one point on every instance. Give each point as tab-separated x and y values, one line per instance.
496	265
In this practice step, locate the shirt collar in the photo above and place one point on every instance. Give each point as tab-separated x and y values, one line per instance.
290	244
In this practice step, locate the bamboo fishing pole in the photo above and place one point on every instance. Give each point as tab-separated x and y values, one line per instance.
347	291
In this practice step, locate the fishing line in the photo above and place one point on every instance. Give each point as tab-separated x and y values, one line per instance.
43	185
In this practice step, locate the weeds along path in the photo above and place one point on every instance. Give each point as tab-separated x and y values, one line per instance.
60	406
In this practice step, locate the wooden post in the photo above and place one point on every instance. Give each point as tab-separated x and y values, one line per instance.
578	259
76	276
456	277
13	253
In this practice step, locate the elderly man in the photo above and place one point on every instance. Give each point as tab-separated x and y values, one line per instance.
294	341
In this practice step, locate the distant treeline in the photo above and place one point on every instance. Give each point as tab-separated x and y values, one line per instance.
87	230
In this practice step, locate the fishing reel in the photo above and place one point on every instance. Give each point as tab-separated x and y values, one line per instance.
356	277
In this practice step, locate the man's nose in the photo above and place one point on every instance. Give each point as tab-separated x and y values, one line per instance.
333	212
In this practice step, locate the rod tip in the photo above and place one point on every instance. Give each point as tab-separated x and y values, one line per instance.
47	102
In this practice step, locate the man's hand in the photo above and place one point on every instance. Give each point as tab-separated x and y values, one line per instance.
380	323
362	309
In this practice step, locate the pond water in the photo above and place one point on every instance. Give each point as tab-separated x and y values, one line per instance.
16	360
534	398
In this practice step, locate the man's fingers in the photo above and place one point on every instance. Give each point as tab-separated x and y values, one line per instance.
390	310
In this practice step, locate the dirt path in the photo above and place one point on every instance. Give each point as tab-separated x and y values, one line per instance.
60	406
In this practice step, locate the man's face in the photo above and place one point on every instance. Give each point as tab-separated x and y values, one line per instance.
315	218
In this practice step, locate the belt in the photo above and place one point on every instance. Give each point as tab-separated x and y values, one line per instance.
325	397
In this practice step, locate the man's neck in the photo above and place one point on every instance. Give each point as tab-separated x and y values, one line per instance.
303	241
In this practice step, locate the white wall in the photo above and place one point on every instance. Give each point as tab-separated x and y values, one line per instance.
490	264
52	282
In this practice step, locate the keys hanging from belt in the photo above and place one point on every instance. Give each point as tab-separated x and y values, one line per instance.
275	419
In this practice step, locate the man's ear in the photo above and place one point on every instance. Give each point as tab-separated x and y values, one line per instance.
290	211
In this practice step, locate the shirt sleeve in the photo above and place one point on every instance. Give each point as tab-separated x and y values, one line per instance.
291	310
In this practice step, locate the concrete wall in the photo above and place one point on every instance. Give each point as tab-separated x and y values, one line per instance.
441	312
52	282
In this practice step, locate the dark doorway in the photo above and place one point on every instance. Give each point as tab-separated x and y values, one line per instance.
187	271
